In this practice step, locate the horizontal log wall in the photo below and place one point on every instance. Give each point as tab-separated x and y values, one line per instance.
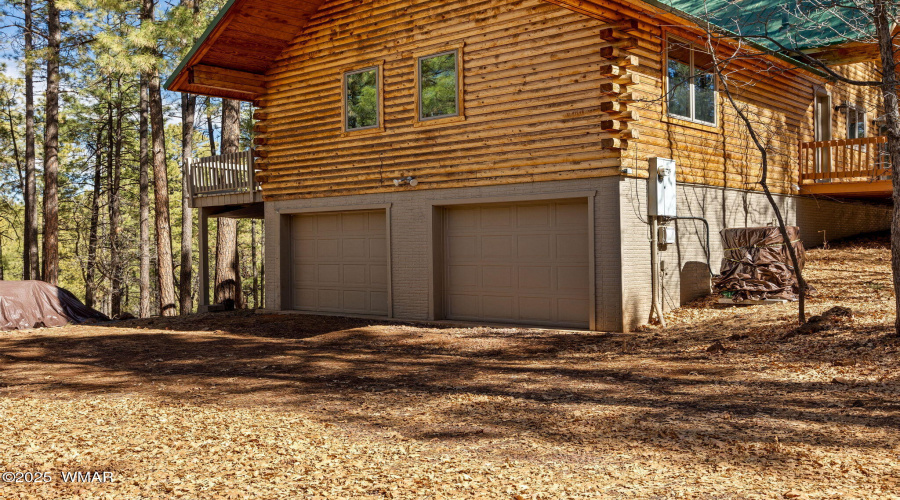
533	105
777	98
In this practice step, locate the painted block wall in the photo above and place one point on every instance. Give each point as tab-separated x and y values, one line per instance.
410	228
683	265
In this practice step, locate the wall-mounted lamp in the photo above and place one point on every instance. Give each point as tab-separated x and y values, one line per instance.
412	181
842	108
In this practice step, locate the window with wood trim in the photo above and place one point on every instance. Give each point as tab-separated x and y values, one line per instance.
691	83
439	85
856	122
362	99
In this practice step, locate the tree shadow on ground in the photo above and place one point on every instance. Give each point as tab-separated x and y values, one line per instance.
449	383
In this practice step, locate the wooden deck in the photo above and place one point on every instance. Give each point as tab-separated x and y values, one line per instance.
845	167
224	180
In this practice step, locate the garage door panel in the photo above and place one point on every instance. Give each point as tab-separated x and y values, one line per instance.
533	246
327	248
354	248
463	218
497	247
328	273
536	308
464	276
535	278
355	300
496	217
496	276
340	262
533	216
497	307
378	303
354	274
463	246
519	262
572	279
572	310
572	246
351	222
377	248
378	274
327	223
463	306
571	215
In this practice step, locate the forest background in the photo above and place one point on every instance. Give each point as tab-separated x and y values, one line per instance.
95	164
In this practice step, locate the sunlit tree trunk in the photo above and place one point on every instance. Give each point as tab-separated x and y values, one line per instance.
164	266
90	272
144	199
883	26
228	272
30	252
188	112
51	148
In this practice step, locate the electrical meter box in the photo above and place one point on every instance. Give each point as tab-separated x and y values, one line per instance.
661	188
666	235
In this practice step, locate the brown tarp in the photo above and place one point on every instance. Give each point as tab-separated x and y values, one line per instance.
757	264
35	304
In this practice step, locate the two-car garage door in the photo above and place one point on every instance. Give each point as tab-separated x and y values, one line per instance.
517	263
522	262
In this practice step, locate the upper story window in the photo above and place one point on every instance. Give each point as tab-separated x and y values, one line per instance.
691	83
438	85
362	99
856	122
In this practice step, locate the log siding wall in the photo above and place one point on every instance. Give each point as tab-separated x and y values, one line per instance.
535	104
530	83
778	99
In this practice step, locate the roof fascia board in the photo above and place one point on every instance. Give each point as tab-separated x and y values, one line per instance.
200	42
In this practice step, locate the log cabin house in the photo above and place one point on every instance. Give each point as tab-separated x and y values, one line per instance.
488	160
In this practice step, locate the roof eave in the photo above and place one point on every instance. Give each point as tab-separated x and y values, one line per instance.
180	75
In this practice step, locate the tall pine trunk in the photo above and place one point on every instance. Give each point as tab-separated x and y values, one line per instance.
30	252
165	273
144	199
883	26
113	178
253	263
91	267
51	148
228	272
188	115
188	112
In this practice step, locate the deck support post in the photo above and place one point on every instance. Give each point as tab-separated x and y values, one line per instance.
203	272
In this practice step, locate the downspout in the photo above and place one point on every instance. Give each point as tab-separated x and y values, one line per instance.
655	305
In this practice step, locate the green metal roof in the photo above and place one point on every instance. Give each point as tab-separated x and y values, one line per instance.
797	25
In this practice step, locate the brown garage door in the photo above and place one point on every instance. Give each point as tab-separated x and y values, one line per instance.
340	262
517	263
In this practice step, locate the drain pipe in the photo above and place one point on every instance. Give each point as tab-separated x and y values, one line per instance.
705	223
655	305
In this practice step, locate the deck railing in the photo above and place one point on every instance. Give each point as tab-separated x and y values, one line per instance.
231	173
844	160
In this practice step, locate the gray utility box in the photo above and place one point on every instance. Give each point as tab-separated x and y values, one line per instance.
661	188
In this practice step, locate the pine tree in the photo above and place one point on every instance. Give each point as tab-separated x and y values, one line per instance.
51	147
228	272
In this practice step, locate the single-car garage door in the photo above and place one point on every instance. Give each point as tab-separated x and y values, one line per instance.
518	263
340	262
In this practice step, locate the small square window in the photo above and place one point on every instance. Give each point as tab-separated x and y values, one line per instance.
438	85
361	99
691	83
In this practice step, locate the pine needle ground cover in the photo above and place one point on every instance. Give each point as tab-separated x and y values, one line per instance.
727	403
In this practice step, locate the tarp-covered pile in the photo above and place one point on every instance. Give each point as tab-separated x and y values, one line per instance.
757	265
35	304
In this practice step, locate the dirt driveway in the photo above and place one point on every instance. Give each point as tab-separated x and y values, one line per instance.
271	406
